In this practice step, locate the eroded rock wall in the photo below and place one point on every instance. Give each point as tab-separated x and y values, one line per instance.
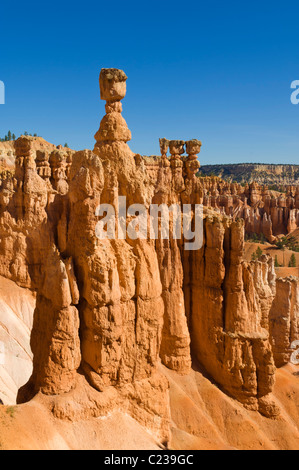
284	319
109	310
263	210
229	303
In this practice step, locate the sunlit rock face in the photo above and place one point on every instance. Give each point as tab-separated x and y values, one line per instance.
108	312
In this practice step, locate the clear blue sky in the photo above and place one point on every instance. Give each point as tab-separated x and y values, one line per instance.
214	70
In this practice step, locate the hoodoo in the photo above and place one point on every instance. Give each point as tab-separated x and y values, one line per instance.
118	321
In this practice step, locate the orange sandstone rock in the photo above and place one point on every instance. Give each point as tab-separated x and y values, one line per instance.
109	311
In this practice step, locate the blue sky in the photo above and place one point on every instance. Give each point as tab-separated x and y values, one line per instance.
217	71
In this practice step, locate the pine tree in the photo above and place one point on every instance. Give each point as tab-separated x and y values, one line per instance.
276	263
9	135
13	137
259	252
292	262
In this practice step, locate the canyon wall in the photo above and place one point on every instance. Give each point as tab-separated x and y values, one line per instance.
264	211
109	310
261	173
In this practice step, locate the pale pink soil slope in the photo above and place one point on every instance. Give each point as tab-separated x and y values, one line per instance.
16	316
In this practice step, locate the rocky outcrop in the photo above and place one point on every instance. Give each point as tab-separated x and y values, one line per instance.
110	308
284	319
99	302
279	175
7	156
16	317
264	211
228	309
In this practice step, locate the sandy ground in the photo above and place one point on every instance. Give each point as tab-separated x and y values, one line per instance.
205	418
202	417
32	427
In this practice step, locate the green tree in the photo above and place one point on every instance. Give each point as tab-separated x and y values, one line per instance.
13	137
292	262
66	145
276	263
263	239
259	252
282	242
9	135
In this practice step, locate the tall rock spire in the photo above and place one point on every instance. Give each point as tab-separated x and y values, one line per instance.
113	127
123	175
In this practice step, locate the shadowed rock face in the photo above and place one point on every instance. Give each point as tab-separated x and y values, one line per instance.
111	310
284	319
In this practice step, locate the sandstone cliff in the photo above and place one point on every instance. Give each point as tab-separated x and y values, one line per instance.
7	151
264	211
284	319
109	311
278	175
